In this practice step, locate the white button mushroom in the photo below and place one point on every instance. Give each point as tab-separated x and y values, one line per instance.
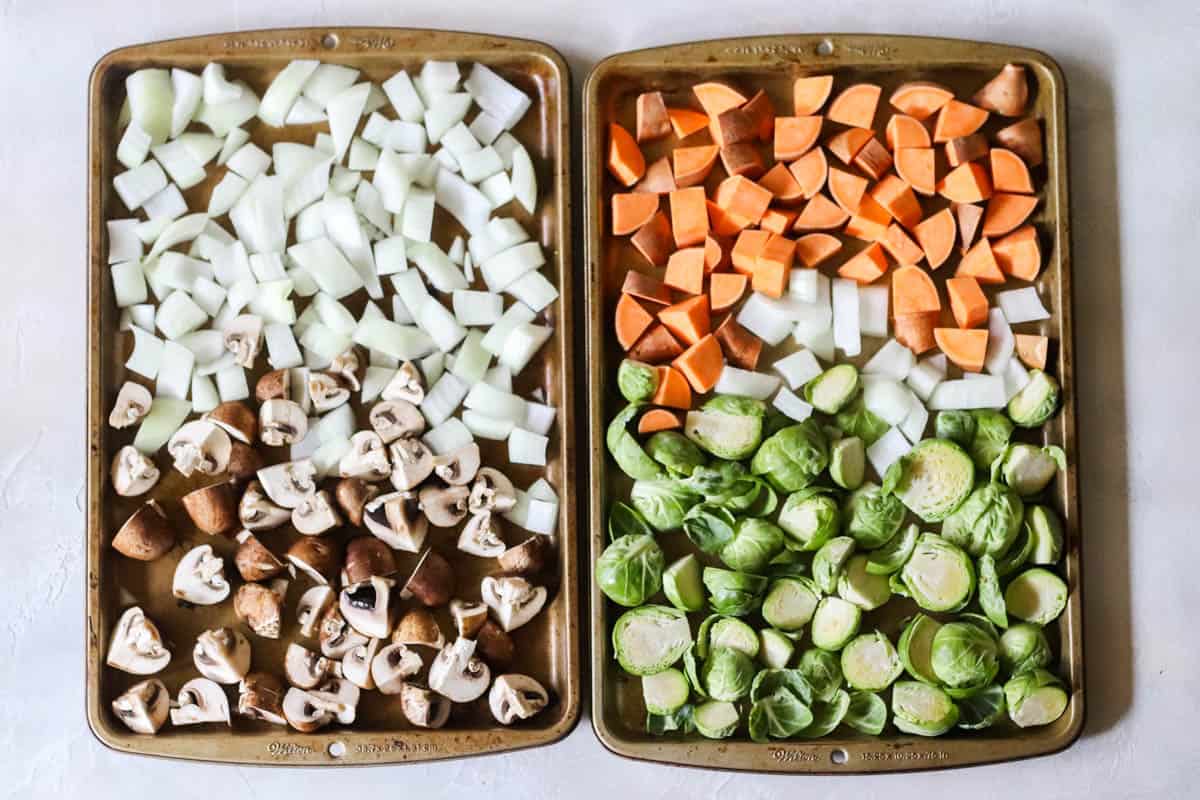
481	536
257	513
326	391
336	636
287	484
396	519
339	697
513	697
200	577
345	367
315	514
302	713
143	707
243	338
133	403
457	674
133	473
405	385
312	607
423	707
444	506
356	665
200	446
281	422
368	608
392	665
306	669
491	491
136	646
200	700
458	467
412	463
367	458
222	655
513	600
394	419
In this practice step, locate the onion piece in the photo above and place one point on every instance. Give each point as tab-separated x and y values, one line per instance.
272	302
411	291
499	377
146	358
233	142
485	128
437	321
496	96
306	189
375	132
324	343
141	315
165	416
473	308
913	426
527	447
923	379
337	424
204	147
283	91
887	449
471	361
404	98
363	154
1000	342
447	437
204	394
1022	305
809	286
887	399
445	111
498	189
797	368
524	180
179	162
496	403
216	88
405	137
506	144
484	427
344	110
206	345
129	283
327	457
522	345
333	314
304	112
137	185
222	118
177	271
442	273
516	314
404	342
231	264
209	295
504	268
282	352
1015	377
392	181
443	398
459	141
375	380
232	385
175	374
765	318
179	314
417	219
369	203
985	392
167	204
747	383
226	194
873	310
258	216
893	360
461	200
123	243
791	405
343	228
846	331
539	417
249	161
226	360
477	165
432	366
133	147
151	97
534	514
328	267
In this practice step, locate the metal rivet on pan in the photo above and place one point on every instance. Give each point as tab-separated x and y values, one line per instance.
330	41
825	48
336	749
839	756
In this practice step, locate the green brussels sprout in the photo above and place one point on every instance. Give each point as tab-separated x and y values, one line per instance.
629	570
731	632
1037	402
916	647
832	389
675	452
727	426
921	709
751	496
932	479
834	623
636	381
965	657
709	527
790	603
682	585
691	670
987	522
1036	595
734	593
624	447
991	599
775	421
755	542
1028	469
1035	698
716	479
993	431
870	663
830	560
982	709
859	421
703	631
872	516
867	713
893	554
791	458
1018	553
1045	535
662	503
716	720
858	586
625	521
848	462
939	576
769	681
778	716
810	518
822	670
1024	647
648	639
665	692
827	716
681	720
727	674
775	649
956	426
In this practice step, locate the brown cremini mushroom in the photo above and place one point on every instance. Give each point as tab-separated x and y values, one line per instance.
256	512
419	627
146	535
315	515
432	580
444	506
351	495
494	645
213	509
136	646
143	707
200	446
281	422
366	557
397	520
274	385
236	419
222	655
458	467
468	617
244	462
412	462
316	557
368	607
395	419
243	338
260	696
254	560
261	606
313	605
528	557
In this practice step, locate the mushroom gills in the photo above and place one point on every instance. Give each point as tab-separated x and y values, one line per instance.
136	646
143	707
200	700
514	697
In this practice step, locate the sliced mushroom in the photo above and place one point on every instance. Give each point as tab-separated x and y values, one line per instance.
394	419
281	422
491	491
143	707
351	495
392	665
339	697
303	713
222	655
244	461
236	419
368	608
396	519
312	607
304	668
481	536
423	707
260	696
366	557
132	403
366	459
200	700
444	506
458	467
356	665
513	697
257	513
419	627
457	673
412	463
406	385
136	646
254	560
345	367
287	484
243	338
275	384
326	391
132	472
468	617
432	580
527	558
513	600
495	646
315	557
146	535
315	515
261	606
213	509
336	636
200	446
200	577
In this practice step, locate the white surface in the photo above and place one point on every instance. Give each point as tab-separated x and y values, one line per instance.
1134	113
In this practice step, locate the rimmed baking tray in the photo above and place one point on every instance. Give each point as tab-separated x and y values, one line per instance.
772	63
548	647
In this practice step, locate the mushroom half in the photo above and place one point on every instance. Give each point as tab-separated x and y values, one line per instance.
513	600
132	403
304	668
200	577
200	700
412	462
315	514
424	707
345	367
133	473
213	509
316	557
458	467
261	606
222	655
287	484
260	696
444	506
368	608
457	673
335	634
356	665
491	491
395	419
396	519
243	338
312	607
235	418
405	385
393	665
513	697
326	391
146	535
468	617
254	560
432	580
339	697
143	707
418	626
367	556
281	422
481	536
136	646
303	713
367	458
256	511
200	446
352	495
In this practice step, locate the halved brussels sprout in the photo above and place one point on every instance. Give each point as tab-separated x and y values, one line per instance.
834	623
916	647
987	522
675	452
791	458
1018	552
716	720
710	528
727	674
965	657
858	420
939	576
649	639
870	662
682	585
734	593
775	648
932	480
921	709
829	562
629	570
769	681
636	381
790	603
991	599
1035	698
822	671
872	516
733	633
1024	647
663	503
827	716
848	462
1045	535
665	692
867	713
1035	403
755	542
982	709
626	521
727	426
1036	595
956	426
778	716
625	449
993	431
859	586
1028	469
832	389
809	517
894	553
680	721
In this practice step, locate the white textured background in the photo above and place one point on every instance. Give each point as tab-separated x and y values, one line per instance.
1132	69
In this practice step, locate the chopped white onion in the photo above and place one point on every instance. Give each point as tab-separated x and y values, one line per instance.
179	314
282	352
240	294
226	193
485	128
175	374
477	308
363	154
502	269
405	137
323	343
166	415
791	405
141	315
444	112
343	228
404	342
1022	305
369	203
534	290
522	344
765	318
798	368
151	97
516	314
168	204
459	141
233	142
497	403
746	383
1015	377
232	385
374	380
923	378
432	366
217	89
272	302
539	417
327	266
133	147
344	110
506	144
471	362
206	345
479	164
411	291
177	271
308	188
327	81
137	185
146	358
404	98
873	310
327	457
462	201
447	437
1000	342
443	398
987	391
887	449
204	394
524	180
913	426
887	399
129	283
527	447
446	159
258	216
179	162
123	242
343	181
846	331
249	161
533	514
437	321
305	112
204	147
283	91
893	360
337	424
392	180
485	427
499	377
209	295
498	189
497	96
221	118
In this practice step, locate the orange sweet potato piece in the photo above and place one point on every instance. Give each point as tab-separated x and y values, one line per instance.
1005	212
743	198
716	98
746	248
965	347
625	160
773	265
810	93
900	245
980	263
1005	94
935	234
1032	349
814	248
913	292
743	158
1009	173
685	270
820	214
725	289
845	145
733	125
646	288
631	321
920	99
897	197
689	216
856	105
716	254
847	189
1025	139
741	347
658	179
962	149
810	171
762	114
968	216
673	391
1018	254
723	223
916	166
660	419
957	118
654	240
873	159
915	331
631	211
870	223
691	165
780	182
795	136
778	220
685	121
904	131
652	119
702	363
866	267
656	346
688	319
966	183
967	302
